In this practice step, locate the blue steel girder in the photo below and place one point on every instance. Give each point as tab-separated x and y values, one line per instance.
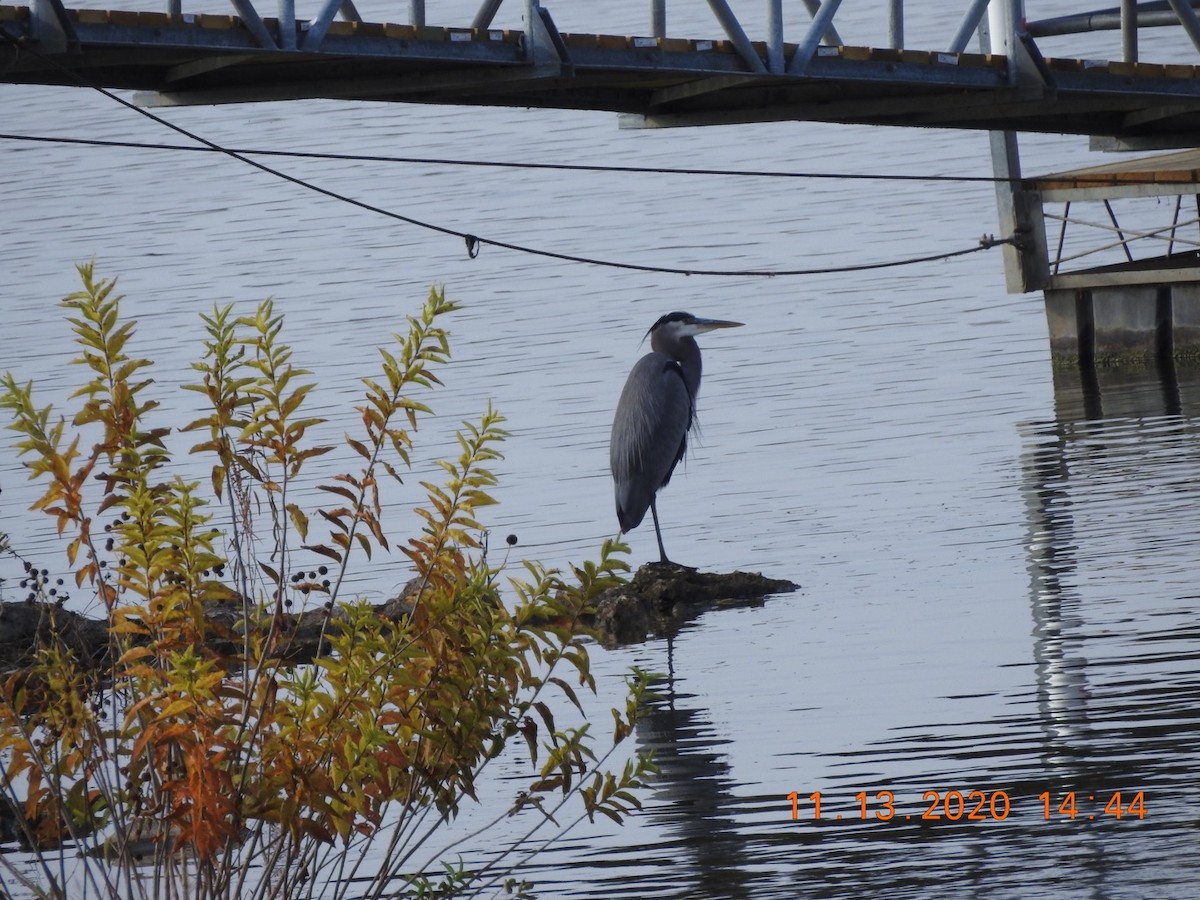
199	58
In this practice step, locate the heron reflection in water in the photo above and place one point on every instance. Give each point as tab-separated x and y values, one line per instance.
654	415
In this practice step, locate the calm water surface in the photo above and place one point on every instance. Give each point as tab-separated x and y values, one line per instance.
998	561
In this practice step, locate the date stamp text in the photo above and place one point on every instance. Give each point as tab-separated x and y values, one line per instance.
969	806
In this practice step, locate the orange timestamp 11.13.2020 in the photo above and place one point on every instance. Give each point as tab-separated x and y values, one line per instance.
970	806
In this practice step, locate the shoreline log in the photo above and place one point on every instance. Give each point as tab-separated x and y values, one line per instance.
655	602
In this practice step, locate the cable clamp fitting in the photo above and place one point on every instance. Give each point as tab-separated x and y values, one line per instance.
988	241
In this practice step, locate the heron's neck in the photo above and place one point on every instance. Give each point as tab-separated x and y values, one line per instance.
686	352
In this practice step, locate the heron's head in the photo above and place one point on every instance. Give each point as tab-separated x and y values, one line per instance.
677	325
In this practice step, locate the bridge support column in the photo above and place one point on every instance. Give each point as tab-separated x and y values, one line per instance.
1020	213
1020	210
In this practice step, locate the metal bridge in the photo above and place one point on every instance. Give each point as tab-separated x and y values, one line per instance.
725	76
983	68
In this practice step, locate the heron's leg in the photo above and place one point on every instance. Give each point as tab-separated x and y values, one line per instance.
662	554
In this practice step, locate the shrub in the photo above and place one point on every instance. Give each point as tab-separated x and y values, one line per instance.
195	745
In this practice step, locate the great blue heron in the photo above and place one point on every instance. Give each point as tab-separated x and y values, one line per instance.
654	415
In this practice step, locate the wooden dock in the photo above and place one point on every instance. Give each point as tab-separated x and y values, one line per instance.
1146	305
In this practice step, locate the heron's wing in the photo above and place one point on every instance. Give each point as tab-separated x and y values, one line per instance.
649	434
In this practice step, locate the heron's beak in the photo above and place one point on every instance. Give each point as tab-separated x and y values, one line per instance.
703	325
